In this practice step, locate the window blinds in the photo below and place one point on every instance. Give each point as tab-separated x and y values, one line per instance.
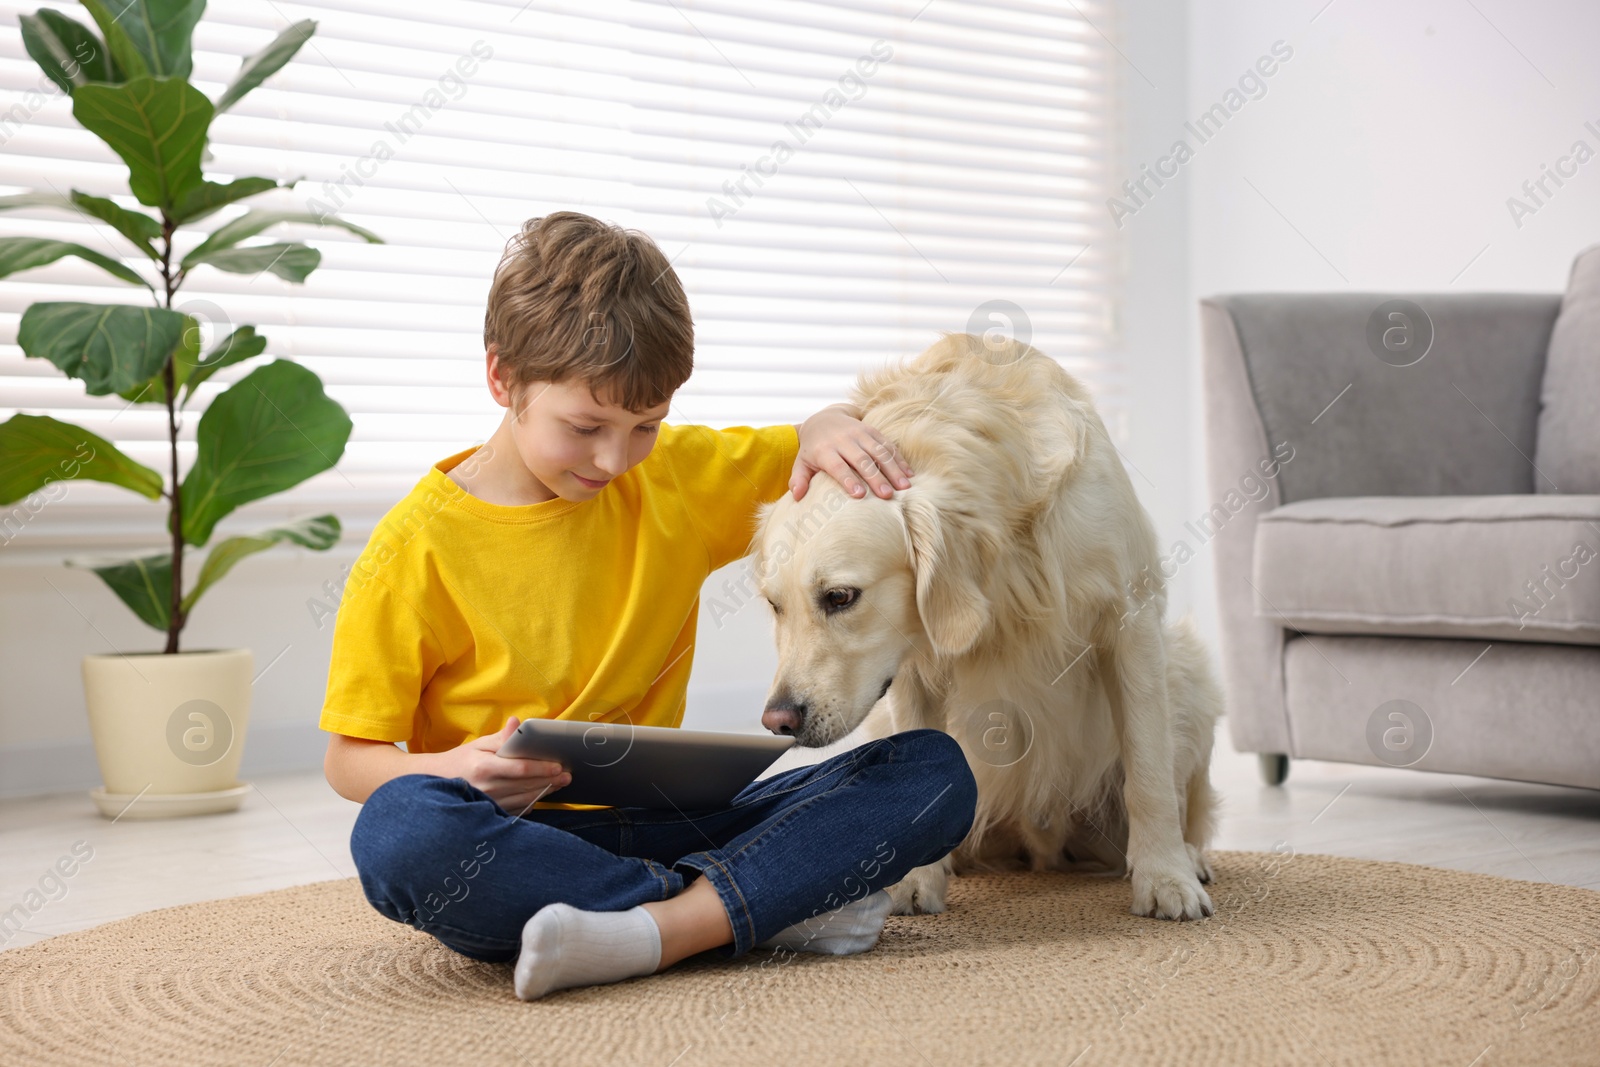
834	182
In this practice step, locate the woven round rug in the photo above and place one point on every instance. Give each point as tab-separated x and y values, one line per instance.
1309	959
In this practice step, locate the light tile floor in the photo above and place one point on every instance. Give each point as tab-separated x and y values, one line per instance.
294	829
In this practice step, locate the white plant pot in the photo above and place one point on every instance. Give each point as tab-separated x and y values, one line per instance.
168	730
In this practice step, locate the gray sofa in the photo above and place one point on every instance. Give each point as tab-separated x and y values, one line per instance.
1406	527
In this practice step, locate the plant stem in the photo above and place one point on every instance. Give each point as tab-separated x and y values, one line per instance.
175	616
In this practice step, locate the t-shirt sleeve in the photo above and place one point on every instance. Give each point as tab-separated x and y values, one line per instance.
725	475
384	653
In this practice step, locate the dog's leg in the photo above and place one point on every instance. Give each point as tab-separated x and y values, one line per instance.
917	704
922	890
916	699
1133	667
1199	819
1100	836
1196	705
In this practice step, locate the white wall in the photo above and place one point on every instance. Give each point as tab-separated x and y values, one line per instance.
1155	325
1391	141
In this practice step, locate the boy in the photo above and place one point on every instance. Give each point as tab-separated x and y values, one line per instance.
555	572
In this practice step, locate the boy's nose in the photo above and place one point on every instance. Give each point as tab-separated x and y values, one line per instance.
611	464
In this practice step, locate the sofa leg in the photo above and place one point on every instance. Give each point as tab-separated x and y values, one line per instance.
1274	767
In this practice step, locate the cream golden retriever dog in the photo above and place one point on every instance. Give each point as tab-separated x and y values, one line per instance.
1012	598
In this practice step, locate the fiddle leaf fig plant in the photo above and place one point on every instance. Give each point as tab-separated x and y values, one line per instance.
128	77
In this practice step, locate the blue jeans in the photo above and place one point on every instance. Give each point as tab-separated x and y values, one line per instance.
440	855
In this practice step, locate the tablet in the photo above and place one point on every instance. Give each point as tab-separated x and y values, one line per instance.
627	766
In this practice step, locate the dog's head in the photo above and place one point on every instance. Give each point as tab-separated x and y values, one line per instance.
857	585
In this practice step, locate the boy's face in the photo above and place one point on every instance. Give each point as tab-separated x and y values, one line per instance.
573	443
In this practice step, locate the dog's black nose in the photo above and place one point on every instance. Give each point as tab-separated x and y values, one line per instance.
784	717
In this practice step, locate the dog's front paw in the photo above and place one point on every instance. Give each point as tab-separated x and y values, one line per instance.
1202	866
1170	894
920	891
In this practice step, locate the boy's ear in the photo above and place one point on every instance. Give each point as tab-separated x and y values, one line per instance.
498	388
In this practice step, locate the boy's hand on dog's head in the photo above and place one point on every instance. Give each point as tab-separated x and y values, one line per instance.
512	783
836	441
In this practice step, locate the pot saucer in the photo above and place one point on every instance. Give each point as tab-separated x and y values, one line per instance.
168	805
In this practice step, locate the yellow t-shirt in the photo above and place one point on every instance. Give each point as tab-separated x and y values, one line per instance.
460	613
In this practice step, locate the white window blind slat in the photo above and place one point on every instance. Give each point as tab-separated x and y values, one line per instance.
970	166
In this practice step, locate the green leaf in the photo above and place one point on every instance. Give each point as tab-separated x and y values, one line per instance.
36	450
153	390
66	50
123	52
189	371
136	226
253	222
207	197
26	253
159	31
21	200
144	584
240	345
288	261
270	430
259	67
320	534
150	391
110	347
157	126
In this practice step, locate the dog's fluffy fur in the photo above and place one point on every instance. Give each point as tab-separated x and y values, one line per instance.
1012	596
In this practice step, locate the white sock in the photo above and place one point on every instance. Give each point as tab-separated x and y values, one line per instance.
841	932
563	947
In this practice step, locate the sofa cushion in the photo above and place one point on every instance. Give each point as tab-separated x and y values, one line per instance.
1512	568
1567	456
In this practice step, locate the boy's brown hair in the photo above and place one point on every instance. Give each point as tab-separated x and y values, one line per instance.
577	297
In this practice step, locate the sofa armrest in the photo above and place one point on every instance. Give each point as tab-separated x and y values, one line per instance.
1236	442
1291	380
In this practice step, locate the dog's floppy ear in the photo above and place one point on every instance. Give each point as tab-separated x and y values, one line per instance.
763	517
755	551
947	560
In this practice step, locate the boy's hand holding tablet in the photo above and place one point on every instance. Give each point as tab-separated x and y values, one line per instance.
512	782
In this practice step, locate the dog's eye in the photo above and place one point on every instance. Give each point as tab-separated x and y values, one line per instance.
838	599
775	609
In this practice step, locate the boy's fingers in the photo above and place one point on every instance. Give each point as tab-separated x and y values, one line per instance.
869	467
532	768
845	474
891	462
542	792
523	792
800	478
